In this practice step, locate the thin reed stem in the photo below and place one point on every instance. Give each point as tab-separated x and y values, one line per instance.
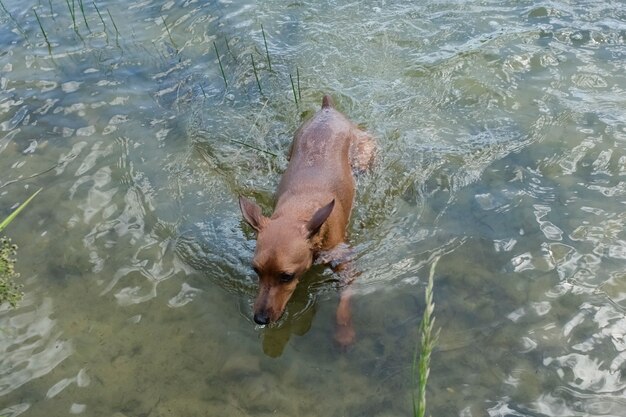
293	88
72	9
219	60
228	48
252	147
169	34
5	10
43	31
298	78
100	16
267	51
117	32
51	11
82	10
258	83
19	28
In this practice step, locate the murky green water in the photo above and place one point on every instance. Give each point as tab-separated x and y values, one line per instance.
502	135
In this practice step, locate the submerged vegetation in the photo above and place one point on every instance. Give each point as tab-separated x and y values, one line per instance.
262	72
10	291
95	13
267	51
217	52
428	341
48	20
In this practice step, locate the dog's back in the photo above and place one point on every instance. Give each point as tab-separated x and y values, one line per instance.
319	171
314	201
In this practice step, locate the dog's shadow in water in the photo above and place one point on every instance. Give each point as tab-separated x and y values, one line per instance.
197	249
299	314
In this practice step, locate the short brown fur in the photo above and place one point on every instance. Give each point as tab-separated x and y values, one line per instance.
313	205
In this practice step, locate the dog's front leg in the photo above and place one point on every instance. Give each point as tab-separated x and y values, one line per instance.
340	260
344	331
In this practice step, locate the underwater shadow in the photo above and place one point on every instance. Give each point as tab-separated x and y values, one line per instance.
220	253
300	312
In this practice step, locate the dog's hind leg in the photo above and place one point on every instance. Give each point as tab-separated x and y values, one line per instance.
362	151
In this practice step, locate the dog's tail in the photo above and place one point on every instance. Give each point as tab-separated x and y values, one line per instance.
327	102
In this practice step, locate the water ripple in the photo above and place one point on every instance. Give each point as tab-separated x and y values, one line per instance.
32	346
500	129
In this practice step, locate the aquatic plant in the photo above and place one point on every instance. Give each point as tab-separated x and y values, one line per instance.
17	211
258	83
19	28
267	51
169	34
82	10
253	147
100	16
220	62
43	31
228	48
298	78
293	88
72	9
428	340
297	97
10	291
117	32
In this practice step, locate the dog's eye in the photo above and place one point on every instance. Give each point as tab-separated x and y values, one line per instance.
256	270
286	277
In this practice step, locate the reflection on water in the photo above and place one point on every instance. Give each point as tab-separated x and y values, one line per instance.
33	348
501	130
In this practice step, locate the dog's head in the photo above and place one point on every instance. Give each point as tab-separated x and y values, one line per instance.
284	252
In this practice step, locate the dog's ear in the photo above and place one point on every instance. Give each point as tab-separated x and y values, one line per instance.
252	214
318	219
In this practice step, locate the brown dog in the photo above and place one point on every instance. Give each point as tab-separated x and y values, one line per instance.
314	201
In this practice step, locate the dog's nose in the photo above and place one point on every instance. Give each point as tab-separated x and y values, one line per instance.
261	318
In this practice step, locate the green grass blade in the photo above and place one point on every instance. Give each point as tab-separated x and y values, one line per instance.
252	147
220	62
421	366
104	25
17	211
293	88
117	32
267	51
203	92
82	10
5	10
258	83
71	8
19	28
169	34
298	78
44	34
99	14
228	48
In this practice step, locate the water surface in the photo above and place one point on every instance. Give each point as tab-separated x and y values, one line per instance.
502	148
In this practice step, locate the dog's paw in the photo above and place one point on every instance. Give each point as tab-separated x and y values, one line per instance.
345	336
344	332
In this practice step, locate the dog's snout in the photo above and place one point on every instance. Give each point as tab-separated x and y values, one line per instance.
261	318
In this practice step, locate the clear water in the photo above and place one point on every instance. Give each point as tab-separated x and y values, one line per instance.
502	148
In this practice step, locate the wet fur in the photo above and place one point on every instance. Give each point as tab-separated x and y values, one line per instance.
313	206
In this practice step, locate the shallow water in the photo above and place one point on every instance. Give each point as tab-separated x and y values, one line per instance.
502	148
